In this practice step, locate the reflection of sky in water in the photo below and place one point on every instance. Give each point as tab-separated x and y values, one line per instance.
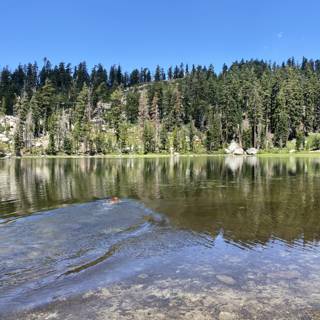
241	237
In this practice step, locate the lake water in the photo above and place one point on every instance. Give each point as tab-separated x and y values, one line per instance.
192	238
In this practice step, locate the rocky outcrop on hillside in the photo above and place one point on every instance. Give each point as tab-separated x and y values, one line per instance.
7	129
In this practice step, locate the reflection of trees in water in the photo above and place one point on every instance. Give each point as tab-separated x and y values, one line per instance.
250	199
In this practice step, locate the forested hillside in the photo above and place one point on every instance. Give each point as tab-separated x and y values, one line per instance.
60	109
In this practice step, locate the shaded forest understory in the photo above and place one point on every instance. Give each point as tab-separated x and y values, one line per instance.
186	109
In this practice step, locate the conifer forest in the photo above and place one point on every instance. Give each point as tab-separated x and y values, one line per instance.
60	109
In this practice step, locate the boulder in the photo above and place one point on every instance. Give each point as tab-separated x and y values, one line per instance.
234	148
238	152
251	151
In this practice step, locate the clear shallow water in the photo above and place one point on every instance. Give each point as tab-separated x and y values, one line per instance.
205	238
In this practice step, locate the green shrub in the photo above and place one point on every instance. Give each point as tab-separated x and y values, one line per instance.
67	145
313	141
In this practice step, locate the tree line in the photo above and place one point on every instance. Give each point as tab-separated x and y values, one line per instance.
181	109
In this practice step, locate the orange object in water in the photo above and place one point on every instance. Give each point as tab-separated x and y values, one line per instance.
114	200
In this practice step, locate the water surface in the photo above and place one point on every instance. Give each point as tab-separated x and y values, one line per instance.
202	237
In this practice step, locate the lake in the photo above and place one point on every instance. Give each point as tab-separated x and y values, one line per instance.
191	238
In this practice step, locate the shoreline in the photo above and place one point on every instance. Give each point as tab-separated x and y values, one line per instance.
155	155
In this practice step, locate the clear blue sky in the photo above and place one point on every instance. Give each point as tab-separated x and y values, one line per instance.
140	33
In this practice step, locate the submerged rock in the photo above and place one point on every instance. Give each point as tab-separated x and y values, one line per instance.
223	315
226	279
289	275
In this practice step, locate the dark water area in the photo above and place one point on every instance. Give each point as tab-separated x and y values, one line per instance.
191	238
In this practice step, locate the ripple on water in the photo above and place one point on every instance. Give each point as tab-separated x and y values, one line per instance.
63	253
58	243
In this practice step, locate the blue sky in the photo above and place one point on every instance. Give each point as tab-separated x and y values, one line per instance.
140	33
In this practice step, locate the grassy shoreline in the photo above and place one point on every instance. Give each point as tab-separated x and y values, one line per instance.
262	154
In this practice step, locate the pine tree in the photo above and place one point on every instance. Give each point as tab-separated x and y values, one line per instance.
293	101
134	77
81	117
52	149
176	114
81	76
148	137
213	134
7	95
157	74
282	129
21	110
170	74
31	80
255	112
47	101
132	106
117	112
35	108
18	140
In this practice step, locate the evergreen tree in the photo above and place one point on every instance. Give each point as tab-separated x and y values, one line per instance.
81	117
18	139
21	110
149	142
170	74
117	114
52	149
282	129
31	80
213	134
47	101
175	116
81	76
255	112
157	74
132	106
134	77
7	96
